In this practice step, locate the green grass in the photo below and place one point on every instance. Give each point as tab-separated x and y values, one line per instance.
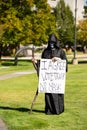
8	66
16	96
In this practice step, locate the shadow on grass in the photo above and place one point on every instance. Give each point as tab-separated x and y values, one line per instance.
79	62
82	62
7	64
21	109
11	63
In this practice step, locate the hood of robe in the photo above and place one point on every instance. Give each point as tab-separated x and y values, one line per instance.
53	41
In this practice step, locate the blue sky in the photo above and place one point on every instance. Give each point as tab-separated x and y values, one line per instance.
85	2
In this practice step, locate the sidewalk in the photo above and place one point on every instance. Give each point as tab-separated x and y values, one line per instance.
16	74
80	57
3	125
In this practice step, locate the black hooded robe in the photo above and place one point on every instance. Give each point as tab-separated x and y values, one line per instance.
54	103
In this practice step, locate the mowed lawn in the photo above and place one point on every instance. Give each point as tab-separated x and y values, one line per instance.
16	95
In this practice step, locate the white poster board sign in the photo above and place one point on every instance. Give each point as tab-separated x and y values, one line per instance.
52	76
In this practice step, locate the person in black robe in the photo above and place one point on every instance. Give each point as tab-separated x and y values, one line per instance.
54	103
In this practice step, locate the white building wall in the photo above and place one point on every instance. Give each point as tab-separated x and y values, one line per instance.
52	3
71	3
80	9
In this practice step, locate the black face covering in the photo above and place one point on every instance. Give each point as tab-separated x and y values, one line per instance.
52	45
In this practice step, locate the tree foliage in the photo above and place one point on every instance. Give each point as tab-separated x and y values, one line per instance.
82	32
85	12
65	23
25	22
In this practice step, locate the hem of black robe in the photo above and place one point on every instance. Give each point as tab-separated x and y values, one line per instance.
49	113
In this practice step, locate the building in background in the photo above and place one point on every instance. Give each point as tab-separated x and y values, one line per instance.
71	3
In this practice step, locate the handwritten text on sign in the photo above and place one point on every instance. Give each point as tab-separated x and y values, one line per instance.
52	76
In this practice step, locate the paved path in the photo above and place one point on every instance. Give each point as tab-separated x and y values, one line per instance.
16	74
3	125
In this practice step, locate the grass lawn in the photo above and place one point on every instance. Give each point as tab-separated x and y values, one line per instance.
16	95
8	66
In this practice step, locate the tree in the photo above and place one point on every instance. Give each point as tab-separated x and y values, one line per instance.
43	23
11	19
24	24
85	9
82	32
65	23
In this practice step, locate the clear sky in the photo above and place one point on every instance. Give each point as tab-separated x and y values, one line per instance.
85	2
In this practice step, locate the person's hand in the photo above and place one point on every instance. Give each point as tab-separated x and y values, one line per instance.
55	59
34	60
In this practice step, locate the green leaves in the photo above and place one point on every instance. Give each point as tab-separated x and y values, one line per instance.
82	32
65	22
26	22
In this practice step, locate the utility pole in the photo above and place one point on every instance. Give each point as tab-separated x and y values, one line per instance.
75	61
